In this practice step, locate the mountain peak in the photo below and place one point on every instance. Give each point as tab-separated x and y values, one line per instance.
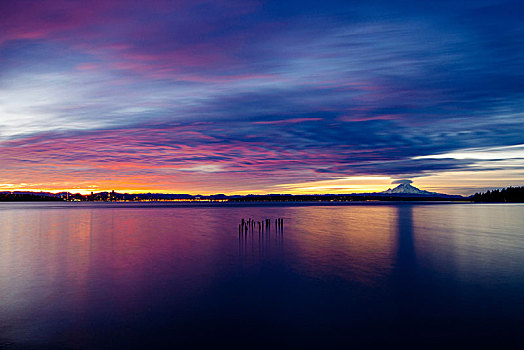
406	188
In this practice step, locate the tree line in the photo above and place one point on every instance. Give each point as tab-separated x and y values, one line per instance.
508	195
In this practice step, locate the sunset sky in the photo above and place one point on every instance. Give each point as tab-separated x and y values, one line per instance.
261	96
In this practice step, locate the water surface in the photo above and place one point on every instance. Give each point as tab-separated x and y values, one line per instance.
114	275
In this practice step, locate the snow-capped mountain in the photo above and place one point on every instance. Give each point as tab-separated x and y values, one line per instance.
406	188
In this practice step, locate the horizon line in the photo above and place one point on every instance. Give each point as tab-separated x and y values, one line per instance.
244	193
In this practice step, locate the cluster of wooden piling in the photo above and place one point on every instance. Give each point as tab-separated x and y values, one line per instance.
279	223
251	225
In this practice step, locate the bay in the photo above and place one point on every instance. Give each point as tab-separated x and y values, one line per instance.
163	275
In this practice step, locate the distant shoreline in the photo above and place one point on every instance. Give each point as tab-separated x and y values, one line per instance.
507	195
243	199
224	205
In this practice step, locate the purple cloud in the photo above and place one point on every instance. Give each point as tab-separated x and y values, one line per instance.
270	92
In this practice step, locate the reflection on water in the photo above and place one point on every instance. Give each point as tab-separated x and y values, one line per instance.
104	276
350	243
257	241
406	285
406	259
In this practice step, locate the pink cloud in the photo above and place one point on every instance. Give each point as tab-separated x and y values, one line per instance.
153	158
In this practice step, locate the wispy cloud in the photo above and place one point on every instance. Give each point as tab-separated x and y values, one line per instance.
240	95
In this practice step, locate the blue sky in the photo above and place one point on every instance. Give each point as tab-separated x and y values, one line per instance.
261	96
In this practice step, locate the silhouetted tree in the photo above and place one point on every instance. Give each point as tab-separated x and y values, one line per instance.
506	195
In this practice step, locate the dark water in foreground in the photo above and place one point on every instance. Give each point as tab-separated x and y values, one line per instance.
87	275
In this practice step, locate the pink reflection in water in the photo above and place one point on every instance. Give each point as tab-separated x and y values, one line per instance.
88	273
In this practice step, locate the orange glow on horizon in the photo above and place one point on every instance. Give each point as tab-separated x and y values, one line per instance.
458	182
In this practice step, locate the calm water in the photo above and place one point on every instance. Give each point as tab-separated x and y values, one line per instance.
88	275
